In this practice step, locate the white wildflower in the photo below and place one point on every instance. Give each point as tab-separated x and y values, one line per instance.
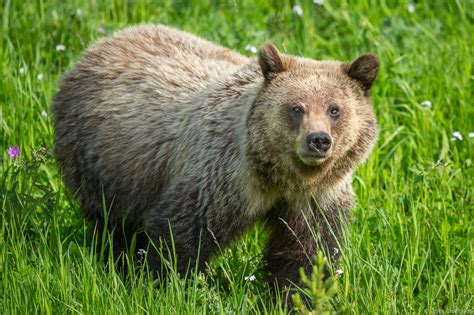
60	47
141	252
456	136
438	162
39	76
318	2
250	278
411	7
22	70
339	271
44	114
298	10
336	250
426	104
79	12
471	135
251	48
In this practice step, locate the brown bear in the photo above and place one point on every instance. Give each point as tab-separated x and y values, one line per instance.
193	142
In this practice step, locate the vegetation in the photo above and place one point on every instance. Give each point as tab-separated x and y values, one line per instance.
409	248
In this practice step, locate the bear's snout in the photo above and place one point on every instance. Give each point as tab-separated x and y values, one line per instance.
319	143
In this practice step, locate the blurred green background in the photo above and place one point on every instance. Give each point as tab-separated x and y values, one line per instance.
409	248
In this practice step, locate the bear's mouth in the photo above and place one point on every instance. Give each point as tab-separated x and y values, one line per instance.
308	166
312	159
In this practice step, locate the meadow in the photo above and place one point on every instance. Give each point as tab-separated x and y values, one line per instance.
410	245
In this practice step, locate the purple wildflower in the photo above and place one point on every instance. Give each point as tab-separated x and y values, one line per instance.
13	152
102	30
43	149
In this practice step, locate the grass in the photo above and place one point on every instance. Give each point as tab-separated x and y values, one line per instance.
410	245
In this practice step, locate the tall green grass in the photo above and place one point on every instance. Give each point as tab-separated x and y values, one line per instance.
410	244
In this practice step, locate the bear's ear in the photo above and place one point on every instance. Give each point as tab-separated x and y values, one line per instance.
270	61
363	69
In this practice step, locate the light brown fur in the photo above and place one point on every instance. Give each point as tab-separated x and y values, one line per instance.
179	132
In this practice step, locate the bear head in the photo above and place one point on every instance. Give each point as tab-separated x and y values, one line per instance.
311	119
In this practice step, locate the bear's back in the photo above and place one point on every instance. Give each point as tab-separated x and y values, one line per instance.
118	114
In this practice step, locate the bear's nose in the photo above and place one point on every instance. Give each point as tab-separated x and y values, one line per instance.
319	142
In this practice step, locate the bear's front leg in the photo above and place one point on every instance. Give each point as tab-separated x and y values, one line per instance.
192	219
291	245
296	234
177	229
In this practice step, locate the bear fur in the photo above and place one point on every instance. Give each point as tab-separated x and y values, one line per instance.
188	140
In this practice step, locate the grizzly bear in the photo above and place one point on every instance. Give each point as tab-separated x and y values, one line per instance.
194	143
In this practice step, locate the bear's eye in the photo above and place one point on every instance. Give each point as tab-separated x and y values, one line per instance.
334	111
297	109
